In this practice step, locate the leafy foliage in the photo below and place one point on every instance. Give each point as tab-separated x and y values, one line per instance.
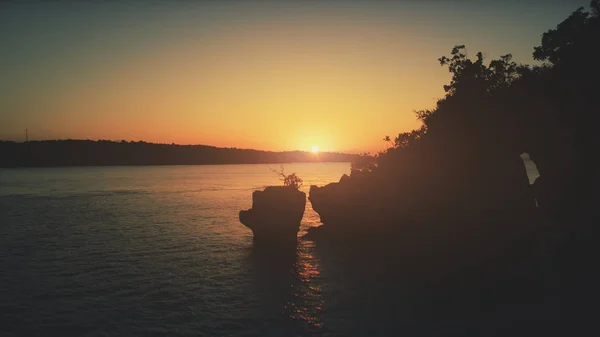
405	139
463	163
559	43
503	106
365	163
289	180
468	74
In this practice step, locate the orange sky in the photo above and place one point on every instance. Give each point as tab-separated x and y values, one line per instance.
273	78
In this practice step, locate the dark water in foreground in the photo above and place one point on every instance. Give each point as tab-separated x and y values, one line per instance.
159	251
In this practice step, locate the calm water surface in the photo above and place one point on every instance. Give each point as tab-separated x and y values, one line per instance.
124	251
150	250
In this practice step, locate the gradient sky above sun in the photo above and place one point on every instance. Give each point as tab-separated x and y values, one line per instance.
282	75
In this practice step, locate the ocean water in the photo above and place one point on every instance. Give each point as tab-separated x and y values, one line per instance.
159	251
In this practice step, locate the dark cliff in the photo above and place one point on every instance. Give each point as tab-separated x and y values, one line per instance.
275	215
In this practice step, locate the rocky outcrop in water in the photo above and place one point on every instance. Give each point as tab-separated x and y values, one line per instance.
435	208
485	188
275	215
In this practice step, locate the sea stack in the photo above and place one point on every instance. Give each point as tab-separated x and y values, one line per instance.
275	215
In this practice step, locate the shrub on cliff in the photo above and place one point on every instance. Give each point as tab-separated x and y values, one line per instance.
289	180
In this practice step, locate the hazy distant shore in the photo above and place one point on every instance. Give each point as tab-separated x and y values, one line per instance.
61	153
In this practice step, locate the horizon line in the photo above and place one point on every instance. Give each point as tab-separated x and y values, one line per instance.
171	144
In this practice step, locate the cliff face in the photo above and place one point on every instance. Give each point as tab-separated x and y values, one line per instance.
275	215
477	186
460	207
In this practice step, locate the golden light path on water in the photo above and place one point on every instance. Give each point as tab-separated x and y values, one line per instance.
308	302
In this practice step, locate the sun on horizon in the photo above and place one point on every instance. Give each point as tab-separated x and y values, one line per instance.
314	149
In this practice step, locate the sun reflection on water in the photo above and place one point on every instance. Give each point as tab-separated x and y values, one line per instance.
307	301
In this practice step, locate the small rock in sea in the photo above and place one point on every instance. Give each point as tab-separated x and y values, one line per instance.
275	215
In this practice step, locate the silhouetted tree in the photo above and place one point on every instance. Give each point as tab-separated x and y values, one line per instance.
364	163
457	185
491	113
289	180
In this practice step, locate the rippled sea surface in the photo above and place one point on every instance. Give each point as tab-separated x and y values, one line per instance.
151	251
159	251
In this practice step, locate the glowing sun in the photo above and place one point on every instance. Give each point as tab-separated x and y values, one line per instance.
315	149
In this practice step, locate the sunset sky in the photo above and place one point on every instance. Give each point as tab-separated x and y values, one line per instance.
251	74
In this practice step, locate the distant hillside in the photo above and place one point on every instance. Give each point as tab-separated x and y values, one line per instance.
106	153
